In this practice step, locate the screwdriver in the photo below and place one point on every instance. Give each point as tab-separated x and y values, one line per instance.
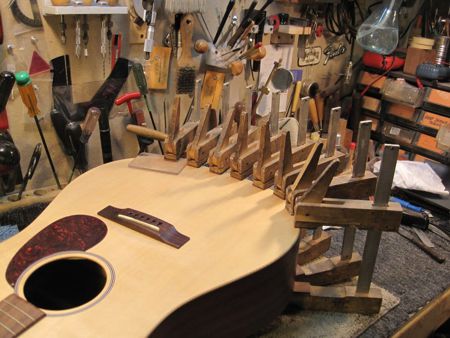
141	82
28	95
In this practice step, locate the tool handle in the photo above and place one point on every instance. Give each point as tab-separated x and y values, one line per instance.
224	20
415	219
27	93
186	31
139	77
297	90
313	114
146	132
429	251
407	205
249	14
241	29
126	98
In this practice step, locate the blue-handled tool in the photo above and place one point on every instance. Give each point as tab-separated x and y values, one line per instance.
407	205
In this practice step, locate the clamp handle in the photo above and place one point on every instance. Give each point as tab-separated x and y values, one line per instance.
126	98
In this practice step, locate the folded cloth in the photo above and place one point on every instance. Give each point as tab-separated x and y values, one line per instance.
416	176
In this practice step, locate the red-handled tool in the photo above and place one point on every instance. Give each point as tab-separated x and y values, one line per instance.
126	98
137	116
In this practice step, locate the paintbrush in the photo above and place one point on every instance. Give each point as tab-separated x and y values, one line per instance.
186	65
185	6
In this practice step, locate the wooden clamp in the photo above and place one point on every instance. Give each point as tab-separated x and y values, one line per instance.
360	184
178	138
205	138
380	215
219	157
267	163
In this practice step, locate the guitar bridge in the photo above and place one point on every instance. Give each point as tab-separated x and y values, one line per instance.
145	224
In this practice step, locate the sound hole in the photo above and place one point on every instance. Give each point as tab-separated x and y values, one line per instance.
65	283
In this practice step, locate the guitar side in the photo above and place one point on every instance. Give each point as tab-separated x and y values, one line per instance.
234	274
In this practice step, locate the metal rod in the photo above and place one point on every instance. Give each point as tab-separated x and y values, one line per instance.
302	118
225	100
362	148
359	169
333	127
382	194
274	116
348	242
55	175
153	121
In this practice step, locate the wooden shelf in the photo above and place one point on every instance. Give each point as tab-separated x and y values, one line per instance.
49	9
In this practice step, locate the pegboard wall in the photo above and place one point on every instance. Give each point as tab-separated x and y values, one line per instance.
88	73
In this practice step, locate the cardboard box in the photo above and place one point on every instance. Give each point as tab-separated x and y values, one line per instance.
415	57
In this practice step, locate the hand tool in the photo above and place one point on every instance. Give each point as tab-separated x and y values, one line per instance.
381	199
186	65
178	137
429	251
63	27
248	23
265	89
21	17
205	138
224	20
141	83
313	210
137	116
423	238
225	36
85	34
77	36
34	160
29	99
89	123
103	39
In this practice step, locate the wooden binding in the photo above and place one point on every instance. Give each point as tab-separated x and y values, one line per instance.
17	315
145	224
219	157
178	138
205	138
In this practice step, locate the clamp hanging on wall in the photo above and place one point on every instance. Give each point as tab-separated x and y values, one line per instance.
20	16
149	18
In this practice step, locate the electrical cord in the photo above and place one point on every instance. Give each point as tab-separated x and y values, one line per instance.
364	91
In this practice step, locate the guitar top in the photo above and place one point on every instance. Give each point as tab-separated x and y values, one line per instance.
235	231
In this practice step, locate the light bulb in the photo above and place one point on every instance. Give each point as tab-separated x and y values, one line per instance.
379	32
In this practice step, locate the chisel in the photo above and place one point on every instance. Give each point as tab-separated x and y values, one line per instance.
141	82
29	99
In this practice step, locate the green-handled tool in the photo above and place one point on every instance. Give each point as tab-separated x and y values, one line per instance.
28	95
141	82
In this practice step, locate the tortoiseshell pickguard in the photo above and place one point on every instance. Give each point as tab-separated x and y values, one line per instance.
76	232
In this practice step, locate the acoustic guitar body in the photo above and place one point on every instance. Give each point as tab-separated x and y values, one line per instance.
93	277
